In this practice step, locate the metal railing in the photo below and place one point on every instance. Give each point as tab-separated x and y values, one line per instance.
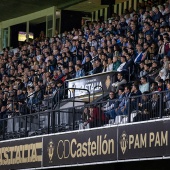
145	107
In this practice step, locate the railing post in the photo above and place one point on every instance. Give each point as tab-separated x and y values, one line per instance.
3	126
129	109
161	108
48	129
53	121
26	126
73	112
100	116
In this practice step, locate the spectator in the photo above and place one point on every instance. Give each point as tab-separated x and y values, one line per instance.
144	86
79	71
123	106
116	63
121	81
144	108
123	62
98	68
109	107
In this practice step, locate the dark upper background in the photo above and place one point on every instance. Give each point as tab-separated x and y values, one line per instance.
15	8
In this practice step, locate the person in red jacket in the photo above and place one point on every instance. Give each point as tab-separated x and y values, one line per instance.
94	117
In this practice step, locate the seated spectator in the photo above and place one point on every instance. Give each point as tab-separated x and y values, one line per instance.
139	54
123	62
123	105
109	65
79	71
135	97
155	105
87	66
161	85
166	99
144	108
153	71
104	64
38	96
108	108
98	67
116	63
144	86
120	81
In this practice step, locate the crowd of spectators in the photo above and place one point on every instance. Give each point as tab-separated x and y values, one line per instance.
135	44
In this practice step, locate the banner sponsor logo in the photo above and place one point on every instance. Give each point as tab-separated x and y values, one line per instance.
143	140
94	84
79	147
18	154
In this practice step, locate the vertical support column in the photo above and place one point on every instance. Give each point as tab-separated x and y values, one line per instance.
135	5
130	3
105	14
92	16
27	31
46	29
54	21
125	5
101	12
1	39
9	36
120	8
96	16
60	23
115	8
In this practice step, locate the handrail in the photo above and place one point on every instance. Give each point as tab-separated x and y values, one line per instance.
81	90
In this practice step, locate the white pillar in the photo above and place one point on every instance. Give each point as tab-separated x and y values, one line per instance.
96	16
135	5
92	16
101	12
1	39
130	3
120	8
54	21
125	5
9	35
27	31
115	8
105	14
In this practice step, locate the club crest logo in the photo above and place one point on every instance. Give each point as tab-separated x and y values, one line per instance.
108	82
50	150
123	142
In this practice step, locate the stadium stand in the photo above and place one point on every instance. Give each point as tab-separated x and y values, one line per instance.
34	80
